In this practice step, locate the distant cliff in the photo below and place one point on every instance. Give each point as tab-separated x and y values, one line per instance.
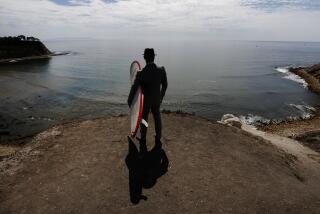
311	75
22	46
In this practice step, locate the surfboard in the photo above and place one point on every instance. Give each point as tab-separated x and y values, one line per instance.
136	107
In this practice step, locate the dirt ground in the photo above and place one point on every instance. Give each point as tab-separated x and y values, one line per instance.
209	168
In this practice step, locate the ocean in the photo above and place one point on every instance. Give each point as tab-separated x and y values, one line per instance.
208	78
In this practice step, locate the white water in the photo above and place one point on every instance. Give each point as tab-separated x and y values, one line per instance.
305	112
291	76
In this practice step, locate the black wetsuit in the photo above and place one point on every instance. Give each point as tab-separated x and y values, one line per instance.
153	81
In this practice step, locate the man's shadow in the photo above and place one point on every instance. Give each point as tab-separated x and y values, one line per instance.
144	169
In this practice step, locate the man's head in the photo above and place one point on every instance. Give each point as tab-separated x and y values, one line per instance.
149	55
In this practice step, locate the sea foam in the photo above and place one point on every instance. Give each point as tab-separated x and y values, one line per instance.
253	119
303	112
291	76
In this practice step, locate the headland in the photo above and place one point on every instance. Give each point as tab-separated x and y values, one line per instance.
81	167
21	48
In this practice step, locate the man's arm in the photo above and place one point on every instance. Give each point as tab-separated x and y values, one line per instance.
134	88
164	83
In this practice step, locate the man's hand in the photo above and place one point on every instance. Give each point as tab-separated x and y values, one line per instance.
164	84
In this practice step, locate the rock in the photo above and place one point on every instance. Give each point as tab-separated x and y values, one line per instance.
311	75
53	132
231	120
13	48
227	116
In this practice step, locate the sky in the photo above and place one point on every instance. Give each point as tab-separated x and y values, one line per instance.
263	20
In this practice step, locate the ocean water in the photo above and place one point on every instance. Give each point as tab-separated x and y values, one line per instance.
208	78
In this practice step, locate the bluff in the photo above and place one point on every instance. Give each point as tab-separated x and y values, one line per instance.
21	46
202	167
311	75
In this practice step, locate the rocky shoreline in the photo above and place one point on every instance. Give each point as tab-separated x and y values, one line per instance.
22	48
266	170
311	75
306	131
23	59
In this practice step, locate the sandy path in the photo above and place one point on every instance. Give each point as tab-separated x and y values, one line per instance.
308	160
80	168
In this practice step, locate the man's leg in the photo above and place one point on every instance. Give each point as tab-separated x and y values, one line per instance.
157	121
143	129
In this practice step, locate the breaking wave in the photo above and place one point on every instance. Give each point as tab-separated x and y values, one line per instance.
301	112
251	119
291	76
305	111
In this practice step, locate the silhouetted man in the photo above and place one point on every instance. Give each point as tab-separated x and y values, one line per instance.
153	81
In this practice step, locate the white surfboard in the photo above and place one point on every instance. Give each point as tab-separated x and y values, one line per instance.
136	107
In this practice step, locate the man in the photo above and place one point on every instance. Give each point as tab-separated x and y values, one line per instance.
153	81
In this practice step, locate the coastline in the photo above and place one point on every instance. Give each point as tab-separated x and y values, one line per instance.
23	59
304	129
307	130
311	75
86	159
14	142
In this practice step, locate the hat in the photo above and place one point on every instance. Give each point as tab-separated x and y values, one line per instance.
149	52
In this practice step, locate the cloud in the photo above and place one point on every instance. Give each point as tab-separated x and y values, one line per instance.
144	19
70	2
110	1
271	5
78	2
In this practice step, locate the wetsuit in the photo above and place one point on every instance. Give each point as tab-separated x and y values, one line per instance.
153	81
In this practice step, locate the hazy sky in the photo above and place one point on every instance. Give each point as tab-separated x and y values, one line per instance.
290	20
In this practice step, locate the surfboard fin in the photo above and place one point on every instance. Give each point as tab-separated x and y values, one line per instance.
145	123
